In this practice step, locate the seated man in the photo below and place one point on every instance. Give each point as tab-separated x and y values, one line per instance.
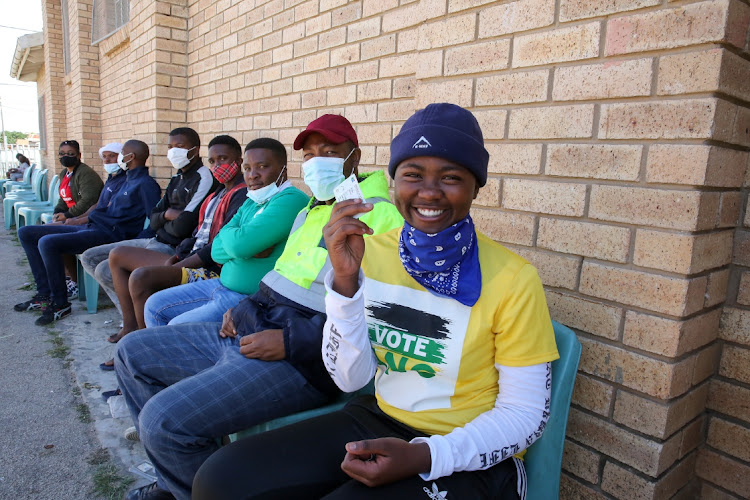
247	247
174	217
264	361
115	180
120	219
224	157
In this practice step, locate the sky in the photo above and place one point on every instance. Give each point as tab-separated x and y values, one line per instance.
19	99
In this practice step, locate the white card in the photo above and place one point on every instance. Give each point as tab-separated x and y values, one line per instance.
348	190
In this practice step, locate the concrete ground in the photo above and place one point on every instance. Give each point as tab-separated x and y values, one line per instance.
58	436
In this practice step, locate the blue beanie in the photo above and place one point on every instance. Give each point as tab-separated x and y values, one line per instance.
445	131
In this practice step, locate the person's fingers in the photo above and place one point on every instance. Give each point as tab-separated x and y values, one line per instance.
363	471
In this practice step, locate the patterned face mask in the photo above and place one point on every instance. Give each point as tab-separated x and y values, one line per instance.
224	172
446	263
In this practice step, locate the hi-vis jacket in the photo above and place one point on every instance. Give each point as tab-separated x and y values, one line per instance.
292	296
298	274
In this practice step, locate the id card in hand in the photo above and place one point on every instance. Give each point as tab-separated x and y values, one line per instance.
349	190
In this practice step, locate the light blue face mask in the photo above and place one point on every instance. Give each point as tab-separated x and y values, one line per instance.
262	195
323	174
112	168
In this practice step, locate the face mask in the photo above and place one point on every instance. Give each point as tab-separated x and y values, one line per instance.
69	161
262	195
224	172
121	163
178	157
323	174
111	168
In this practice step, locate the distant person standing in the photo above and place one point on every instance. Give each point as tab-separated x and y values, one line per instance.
16	174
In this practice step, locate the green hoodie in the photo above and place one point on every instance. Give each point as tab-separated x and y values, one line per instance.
254	229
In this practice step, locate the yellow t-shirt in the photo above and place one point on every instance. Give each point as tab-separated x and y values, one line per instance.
436	356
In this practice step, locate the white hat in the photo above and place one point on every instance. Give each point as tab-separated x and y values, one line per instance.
114	147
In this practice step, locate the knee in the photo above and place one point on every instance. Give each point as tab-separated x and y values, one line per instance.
116	255
138	283
102	272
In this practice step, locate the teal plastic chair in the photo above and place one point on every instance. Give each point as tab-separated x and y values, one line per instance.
24	183
543	459
29	212
88	287
39	179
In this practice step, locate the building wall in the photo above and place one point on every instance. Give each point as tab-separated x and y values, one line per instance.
619	134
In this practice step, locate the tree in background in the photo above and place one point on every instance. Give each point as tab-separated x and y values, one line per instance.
12	136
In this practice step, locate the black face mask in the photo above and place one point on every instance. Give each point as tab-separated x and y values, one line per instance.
69	161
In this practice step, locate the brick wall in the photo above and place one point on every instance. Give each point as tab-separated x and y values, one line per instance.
619	134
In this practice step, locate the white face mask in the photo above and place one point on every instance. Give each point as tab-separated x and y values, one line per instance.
111	168
323	174
262	195
178	157
121	161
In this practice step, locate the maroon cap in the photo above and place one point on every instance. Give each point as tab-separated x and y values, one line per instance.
334	128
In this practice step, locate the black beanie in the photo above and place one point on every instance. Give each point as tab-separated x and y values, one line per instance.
445	131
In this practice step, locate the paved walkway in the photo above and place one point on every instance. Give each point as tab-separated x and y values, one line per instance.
49	449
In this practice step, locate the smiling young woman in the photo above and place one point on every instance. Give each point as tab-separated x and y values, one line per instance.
454	328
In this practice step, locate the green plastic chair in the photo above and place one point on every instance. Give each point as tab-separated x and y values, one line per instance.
39	180
29	212
24	183
543	459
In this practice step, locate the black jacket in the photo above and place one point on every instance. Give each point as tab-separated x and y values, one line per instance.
186	191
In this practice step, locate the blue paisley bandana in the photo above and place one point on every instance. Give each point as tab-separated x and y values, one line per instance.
446	263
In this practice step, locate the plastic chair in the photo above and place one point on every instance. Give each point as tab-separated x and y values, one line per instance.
24	183
88	287
30	212
339	403
543	459
39	179
46	218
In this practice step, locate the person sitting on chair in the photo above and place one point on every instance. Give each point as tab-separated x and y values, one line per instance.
454	328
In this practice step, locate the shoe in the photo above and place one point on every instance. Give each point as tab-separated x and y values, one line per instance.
53	313
131	434
37	302
149	492
72	287
107	368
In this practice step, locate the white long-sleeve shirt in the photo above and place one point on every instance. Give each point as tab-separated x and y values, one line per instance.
516	420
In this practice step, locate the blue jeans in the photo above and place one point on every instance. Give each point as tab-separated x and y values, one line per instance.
186	386
45	246
198	302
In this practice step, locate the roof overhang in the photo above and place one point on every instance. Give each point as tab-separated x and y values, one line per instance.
28	57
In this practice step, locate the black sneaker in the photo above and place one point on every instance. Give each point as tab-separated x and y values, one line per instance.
53	313
149	492
36	303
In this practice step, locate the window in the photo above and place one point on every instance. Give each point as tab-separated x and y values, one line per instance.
108	17
66	35
42	125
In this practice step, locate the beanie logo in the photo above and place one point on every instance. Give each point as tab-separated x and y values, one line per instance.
422	143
